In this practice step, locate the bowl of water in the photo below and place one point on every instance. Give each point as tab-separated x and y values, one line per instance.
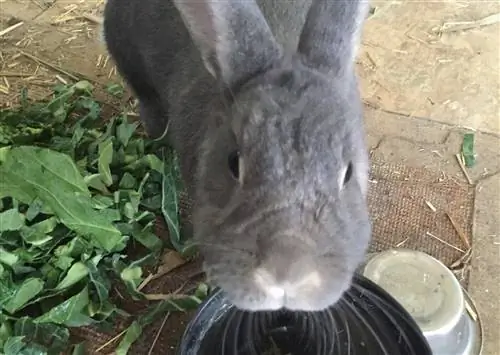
433	296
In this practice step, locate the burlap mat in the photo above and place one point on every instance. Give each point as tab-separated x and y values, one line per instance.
402	202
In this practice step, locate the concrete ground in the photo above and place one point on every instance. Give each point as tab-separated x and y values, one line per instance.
429	71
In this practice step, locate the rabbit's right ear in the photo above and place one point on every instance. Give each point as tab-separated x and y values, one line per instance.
233	37
331	34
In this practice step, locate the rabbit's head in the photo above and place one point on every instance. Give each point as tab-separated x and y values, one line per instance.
281	216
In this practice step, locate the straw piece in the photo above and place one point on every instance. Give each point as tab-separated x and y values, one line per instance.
444	242
11	28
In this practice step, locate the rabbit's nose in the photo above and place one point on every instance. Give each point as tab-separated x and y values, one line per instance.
289	288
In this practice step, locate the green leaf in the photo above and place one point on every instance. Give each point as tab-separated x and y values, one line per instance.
34	349
115	90
33	237
468	151
11	220
180	303
128	210
149	161
74	249
13	346
70	313
54	178
34	209
133	333
145	237
51	275
42	164
63	262
127	182
84	85
46	226
75	274
125	131
177	303
105	159
95	181
38	234
202	291
92	106
15	297
46	335
101	202
100	283
132	277
78	133
24	96
5	331
170	201
153	162
58	106
8	258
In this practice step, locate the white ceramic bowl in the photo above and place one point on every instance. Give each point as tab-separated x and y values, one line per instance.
430	292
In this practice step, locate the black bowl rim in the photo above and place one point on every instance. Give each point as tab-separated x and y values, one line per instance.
205	318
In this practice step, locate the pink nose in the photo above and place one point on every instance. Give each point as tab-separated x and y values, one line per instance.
287	289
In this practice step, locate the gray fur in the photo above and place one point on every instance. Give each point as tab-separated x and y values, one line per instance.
289	102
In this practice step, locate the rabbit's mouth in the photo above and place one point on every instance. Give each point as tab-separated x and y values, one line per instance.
271	298
258	290
285	294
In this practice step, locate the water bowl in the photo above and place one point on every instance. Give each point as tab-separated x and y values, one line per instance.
433	296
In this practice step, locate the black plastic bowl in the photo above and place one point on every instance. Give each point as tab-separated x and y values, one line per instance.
367	320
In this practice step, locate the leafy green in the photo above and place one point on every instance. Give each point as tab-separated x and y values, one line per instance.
100	283
105	159
468	151
178	303
125	131
54	178
131	335
13	345
11	220
41	335
171	186
76	273
115	90
15	297
75	197
71	312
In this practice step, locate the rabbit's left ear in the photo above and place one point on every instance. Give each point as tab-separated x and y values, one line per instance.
331	34
233	36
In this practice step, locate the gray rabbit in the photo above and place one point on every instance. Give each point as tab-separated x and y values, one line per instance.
269	131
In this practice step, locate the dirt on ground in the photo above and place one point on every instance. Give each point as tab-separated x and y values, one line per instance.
437	60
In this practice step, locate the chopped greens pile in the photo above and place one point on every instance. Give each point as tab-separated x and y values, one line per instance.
76	195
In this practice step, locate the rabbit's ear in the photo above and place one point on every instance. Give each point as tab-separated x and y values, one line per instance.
233	36
331	34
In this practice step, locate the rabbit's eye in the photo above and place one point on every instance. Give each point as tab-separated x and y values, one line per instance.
348	173
233	162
